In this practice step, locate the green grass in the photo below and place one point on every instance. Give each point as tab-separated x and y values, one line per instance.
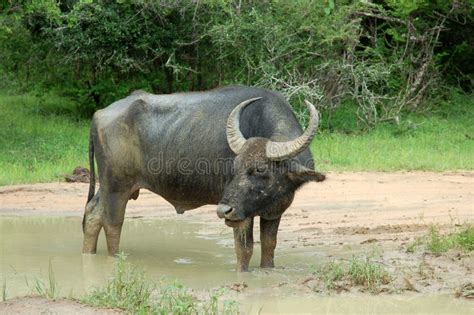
130	291
38	141
127	290
41	140
359	271
47	289
441	141
436	243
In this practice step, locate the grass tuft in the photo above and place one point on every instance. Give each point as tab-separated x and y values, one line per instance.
411	248
47	290
331	273
367	273
130	291
437	243
359	271
127	290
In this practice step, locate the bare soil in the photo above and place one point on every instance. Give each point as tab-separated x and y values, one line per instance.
39	305
348	211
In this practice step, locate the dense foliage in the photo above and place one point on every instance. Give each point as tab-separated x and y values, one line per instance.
382	58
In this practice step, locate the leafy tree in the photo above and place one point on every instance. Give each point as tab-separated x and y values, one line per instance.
384	57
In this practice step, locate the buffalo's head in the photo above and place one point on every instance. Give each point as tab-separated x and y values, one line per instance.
266	173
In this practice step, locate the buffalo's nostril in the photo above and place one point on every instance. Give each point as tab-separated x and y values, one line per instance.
223	210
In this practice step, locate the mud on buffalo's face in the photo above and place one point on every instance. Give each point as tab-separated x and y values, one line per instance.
265	175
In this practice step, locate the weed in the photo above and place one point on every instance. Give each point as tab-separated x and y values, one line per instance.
175	299
367	273
438	243
49	290
126	290
359	271
465	238
331	273
213	305
129	291
411	248
4	290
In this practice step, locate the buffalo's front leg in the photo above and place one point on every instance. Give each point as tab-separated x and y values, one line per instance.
243	243
268	240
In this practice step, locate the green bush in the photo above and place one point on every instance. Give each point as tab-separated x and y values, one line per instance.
385	58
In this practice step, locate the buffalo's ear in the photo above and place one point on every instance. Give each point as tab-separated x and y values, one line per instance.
301	175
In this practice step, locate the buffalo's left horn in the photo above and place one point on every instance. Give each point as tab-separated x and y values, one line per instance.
288	149
234	136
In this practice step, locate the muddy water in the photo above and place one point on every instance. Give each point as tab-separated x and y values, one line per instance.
177	249
165	249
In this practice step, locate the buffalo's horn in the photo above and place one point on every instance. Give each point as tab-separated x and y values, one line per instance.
234	135
288	149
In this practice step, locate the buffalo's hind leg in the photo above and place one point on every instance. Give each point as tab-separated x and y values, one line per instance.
268	240
107	210
92	224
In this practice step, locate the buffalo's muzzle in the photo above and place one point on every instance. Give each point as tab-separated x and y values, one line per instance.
224	211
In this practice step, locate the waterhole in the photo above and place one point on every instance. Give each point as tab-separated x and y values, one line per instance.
164	249
170	250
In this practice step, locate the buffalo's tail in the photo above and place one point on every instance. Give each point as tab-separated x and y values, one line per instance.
92	177
92	171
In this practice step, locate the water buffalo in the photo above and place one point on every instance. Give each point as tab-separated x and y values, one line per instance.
200	148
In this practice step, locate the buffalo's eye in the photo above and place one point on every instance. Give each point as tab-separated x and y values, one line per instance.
258	171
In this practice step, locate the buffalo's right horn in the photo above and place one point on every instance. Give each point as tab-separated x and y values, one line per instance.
289	149
234	136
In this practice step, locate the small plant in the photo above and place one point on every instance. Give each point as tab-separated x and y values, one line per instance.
331	273
411	248
4	290
175	299
126	290
363	271
129	291
359	271
465	238
438	243
49	290
215	306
